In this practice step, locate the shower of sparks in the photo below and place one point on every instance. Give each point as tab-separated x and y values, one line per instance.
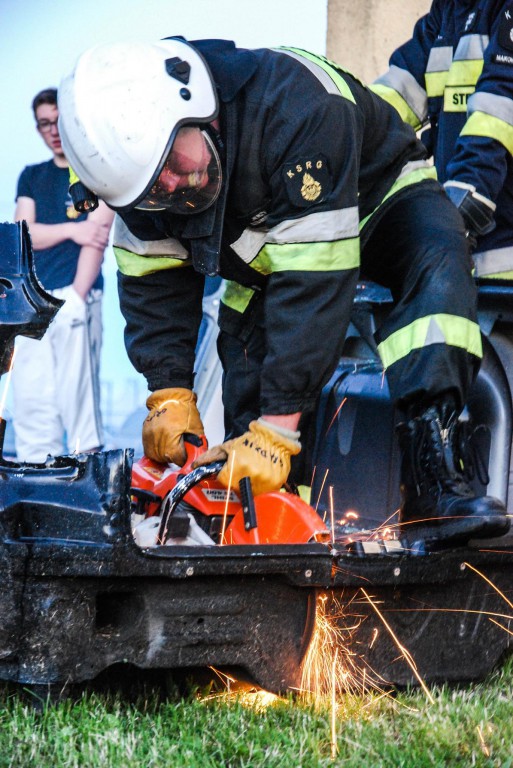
404	651
7	384
321	678
243	693
387	526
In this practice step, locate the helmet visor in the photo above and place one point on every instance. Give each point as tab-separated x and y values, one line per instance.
190	179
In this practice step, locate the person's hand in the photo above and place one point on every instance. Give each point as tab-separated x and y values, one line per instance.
477	211
262	453
90	232
172	413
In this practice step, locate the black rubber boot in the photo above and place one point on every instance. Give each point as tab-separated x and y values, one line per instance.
438	503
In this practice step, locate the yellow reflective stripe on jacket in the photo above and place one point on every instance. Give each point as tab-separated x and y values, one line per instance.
396	100
329	67
236	296
433	329
481	124
437	70
308	257
461	83
404	83
73	178
435	83
405	180
501	276
133	265
454	76
465	72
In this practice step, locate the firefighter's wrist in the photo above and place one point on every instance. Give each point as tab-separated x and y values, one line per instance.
285	426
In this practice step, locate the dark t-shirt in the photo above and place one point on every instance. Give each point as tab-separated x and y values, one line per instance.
48	186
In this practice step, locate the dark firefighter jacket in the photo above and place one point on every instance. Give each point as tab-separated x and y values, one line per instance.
309	154
456	73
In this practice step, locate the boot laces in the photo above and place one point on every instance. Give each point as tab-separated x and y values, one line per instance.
446	457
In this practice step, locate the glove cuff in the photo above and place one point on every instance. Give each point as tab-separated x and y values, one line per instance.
289	437
477	211
172	394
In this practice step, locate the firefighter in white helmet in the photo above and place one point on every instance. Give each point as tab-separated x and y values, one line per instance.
282	173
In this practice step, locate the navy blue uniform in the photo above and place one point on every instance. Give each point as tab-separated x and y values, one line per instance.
456	74
319	174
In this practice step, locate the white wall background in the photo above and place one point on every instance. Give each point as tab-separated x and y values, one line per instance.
40	41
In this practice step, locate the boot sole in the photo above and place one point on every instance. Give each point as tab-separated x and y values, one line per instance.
457	531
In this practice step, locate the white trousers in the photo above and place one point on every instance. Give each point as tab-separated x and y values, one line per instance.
56	390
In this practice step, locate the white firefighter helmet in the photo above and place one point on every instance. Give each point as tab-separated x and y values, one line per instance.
120	111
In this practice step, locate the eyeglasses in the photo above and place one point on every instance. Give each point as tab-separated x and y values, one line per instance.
46	125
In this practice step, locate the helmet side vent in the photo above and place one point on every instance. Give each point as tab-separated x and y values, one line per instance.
179	69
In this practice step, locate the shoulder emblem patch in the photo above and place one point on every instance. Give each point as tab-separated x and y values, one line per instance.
506	28
307	181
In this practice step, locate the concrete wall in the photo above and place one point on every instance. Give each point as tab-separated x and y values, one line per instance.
363	33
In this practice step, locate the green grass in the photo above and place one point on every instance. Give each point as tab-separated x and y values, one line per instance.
471	726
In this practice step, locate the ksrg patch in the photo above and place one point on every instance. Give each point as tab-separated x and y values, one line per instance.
307	181
506	28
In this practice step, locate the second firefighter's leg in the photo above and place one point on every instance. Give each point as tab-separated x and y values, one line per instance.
430	346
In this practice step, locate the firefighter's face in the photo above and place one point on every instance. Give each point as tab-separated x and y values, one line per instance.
187	163
190	180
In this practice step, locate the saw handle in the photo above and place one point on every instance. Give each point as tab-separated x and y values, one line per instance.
183	486
194	446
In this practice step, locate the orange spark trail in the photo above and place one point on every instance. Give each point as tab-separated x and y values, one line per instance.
335	415
490	583
404	651
332	513
322	486
334	747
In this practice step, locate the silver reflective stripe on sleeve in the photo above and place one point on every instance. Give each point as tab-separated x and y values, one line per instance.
493	261
471	47
123	238
440	59
414	165
322	76
406	85
497	106
249	244
334	225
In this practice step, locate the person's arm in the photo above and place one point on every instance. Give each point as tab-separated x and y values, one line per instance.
91	257
161	301
90	232
484	149
407	85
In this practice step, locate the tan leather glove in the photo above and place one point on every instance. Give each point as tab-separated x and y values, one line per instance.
262	453
172	412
